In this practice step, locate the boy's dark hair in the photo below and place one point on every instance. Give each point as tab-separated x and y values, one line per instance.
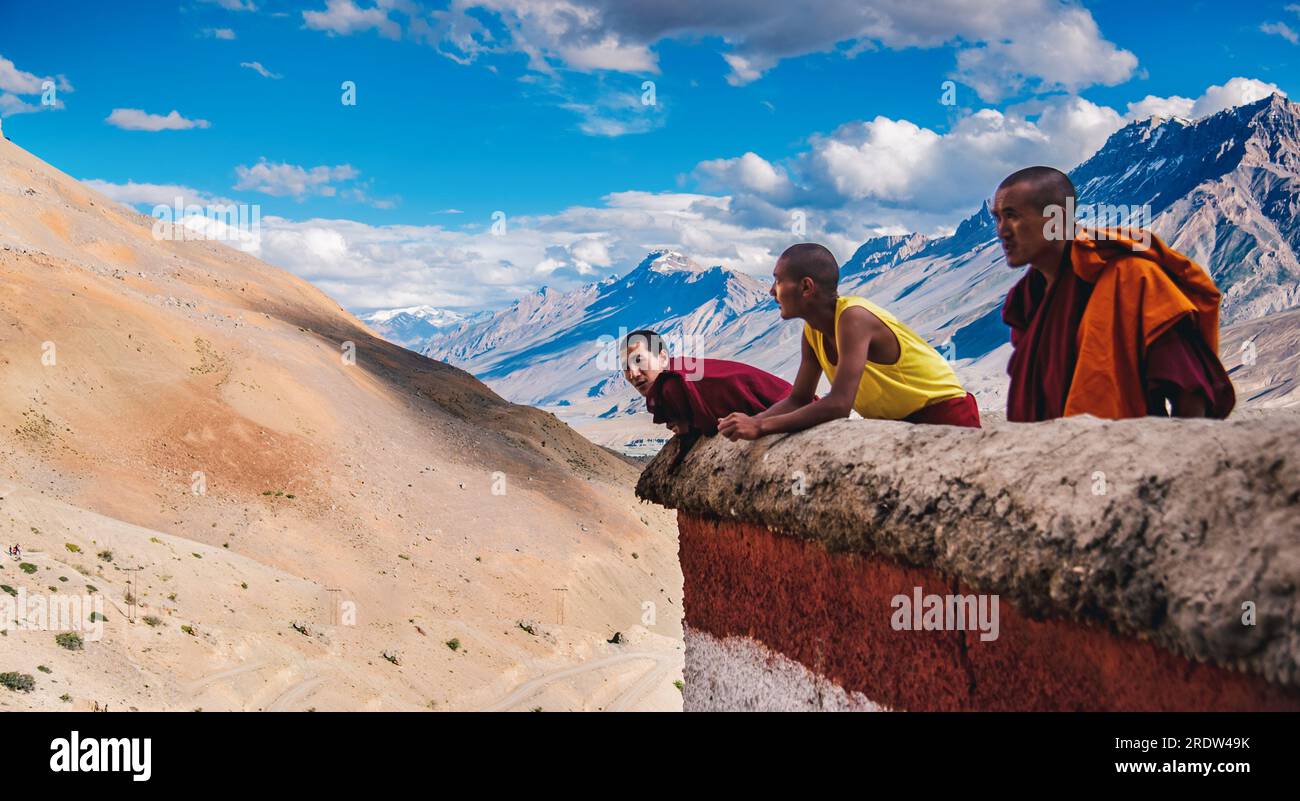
653	342
811	260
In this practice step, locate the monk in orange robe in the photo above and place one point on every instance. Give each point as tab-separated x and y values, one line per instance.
1103	323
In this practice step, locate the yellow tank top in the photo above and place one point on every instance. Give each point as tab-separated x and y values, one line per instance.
919	378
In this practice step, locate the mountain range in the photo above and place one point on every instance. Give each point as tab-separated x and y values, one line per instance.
412	327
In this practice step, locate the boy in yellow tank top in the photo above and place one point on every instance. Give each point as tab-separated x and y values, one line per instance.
877	366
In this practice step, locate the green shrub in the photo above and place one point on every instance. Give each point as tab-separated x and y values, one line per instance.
70	640
107	556
453	644
72	547
27	567
43	669
188	629
18	682
150	620
8	589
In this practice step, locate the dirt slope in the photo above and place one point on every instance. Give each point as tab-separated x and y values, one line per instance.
188	393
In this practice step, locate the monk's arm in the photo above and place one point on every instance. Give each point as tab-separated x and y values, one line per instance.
1182	369
853	341
805	384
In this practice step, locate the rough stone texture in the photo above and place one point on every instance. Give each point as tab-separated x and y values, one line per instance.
1197	517
738	674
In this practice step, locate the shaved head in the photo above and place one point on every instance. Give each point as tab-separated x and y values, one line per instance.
810	260
1024	206
1047	186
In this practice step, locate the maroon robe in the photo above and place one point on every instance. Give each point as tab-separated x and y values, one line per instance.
697	392
1044	325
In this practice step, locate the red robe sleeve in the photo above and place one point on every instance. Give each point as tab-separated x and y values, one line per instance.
1180	362
671	403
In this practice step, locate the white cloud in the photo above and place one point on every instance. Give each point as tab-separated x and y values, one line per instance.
133	119
344	17
1003	46
892	172
390	266
1062	49
1281	29
612	113
15	82
234	5
256	66
291	180
219	33
750	172
864	178
1152	106
1236	92
132	193
13	104
609	54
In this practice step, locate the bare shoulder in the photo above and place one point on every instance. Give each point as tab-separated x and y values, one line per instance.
860	320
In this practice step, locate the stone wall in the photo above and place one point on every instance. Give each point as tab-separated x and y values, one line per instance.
1148	564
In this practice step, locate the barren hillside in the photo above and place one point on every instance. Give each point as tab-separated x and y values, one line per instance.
190	409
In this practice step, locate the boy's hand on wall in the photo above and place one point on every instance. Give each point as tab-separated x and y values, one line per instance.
739	425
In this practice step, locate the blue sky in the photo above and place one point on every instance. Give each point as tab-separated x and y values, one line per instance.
535	109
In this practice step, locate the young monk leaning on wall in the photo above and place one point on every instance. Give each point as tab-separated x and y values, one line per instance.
690	394
877	366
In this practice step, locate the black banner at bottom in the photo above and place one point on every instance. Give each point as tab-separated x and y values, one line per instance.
231	750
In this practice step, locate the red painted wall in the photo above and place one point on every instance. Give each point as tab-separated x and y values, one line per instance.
831	612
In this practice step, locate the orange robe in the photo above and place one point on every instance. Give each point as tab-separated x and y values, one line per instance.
1134	297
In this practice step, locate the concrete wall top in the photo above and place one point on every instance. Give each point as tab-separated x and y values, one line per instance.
1160	529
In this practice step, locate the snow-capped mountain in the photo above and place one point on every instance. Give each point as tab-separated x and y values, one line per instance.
412	326
1224	189
552	347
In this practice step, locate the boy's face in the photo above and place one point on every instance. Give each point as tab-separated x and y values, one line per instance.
791	295
641	367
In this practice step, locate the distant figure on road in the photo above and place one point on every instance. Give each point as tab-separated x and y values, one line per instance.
877	366
1104	323
689	394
